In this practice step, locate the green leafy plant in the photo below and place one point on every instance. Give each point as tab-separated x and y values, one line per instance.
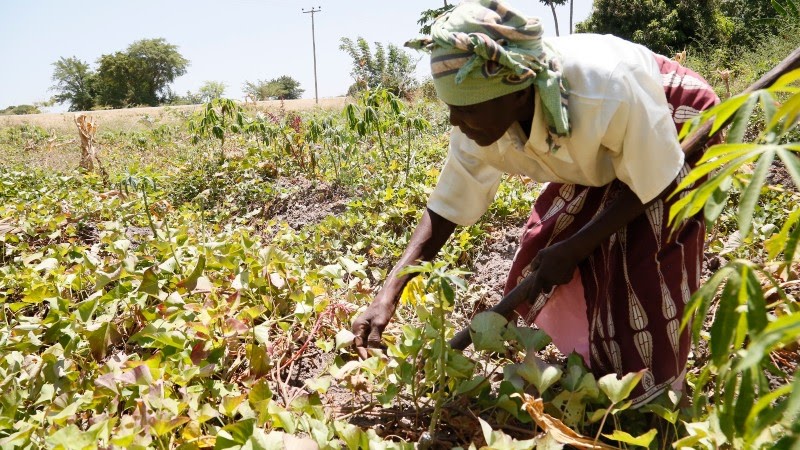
747	329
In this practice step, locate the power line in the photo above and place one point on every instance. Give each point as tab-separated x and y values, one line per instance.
312	11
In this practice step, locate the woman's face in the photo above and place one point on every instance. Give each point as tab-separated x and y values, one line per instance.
486	122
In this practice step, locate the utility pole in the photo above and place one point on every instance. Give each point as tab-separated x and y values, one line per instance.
312	11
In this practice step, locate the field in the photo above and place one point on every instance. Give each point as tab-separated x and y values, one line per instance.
198	290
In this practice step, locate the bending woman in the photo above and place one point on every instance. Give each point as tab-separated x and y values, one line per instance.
596	118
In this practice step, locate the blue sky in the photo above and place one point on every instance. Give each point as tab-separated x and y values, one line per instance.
232	41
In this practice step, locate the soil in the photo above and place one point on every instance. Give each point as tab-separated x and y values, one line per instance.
493	263
307	202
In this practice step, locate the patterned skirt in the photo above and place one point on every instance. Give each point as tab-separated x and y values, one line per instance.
623	308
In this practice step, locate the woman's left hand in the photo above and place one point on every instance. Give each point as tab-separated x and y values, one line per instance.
554	265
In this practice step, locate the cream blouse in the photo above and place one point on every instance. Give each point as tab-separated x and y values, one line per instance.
621	129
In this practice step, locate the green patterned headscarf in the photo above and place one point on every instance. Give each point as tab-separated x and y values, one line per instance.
483	49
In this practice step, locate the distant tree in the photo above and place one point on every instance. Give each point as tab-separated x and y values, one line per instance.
281	88
74	84
665	26
141	75
115	81
20	110
392	70
552	4
211	90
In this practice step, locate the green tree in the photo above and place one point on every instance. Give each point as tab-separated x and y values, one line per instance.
141	75
74	84
552	4
211	90
390	67
747	21
20	110
281	88
665	26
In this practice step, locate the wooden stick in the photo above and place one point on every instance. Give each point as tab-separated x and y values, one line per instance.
692	144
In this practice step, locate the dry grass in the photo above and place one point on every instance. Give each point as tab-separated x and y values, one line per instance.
135	118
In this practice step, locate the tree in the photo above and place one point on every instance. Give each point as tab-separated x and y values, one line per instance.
73	84
665	26
20	110
281	88
746	21
211	90
391	70
141	75
552	4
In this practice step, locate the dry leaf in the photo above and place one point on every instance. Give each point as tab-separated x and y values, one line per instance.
556	428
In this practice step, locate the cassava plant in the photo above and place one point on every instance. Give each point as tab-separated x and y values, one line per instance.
756	320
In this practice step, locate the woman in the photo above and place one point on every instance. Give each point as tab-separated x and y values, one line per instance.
588	114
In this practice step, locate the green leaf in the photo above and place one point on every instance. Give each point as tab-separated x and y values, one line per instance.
234	435
725	320
69	438
260	392
745	397
769	106
792	164
162	426
47	264
532	340
281	418
741	120
101	339
102	278
756	304
538	373
344	338
190	283
353	436
617	389
786	79
643	440
487	329
726	109
782	330
149	284
747	203
717	202
497	440
470	387
666	414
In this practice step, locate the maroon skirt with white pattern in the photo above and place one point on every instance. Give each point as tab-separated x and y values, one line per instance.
622	310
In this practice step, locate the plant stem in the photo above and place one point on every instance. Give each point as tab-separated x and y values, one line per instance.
442	343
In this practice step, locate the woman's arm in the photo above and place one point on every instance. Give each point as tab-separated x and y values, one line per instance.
555	265
429	237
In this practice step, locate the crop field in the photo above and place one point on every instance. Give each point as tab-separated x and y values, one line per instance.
196	290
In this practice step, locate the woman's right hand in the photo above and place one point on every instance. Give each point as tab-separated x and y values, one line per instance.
369	326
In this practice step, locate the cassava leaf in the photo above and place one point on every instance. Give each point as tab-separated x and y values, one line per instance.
751	194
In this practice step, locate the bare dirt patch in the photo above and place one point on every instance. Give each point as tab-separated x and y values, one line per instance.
307	202
493	262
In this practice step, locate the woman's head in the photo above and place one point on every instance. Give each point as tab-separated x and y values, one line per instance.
483	50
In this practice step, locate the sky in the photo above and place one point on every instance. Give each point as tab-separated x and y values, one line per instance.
232	41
